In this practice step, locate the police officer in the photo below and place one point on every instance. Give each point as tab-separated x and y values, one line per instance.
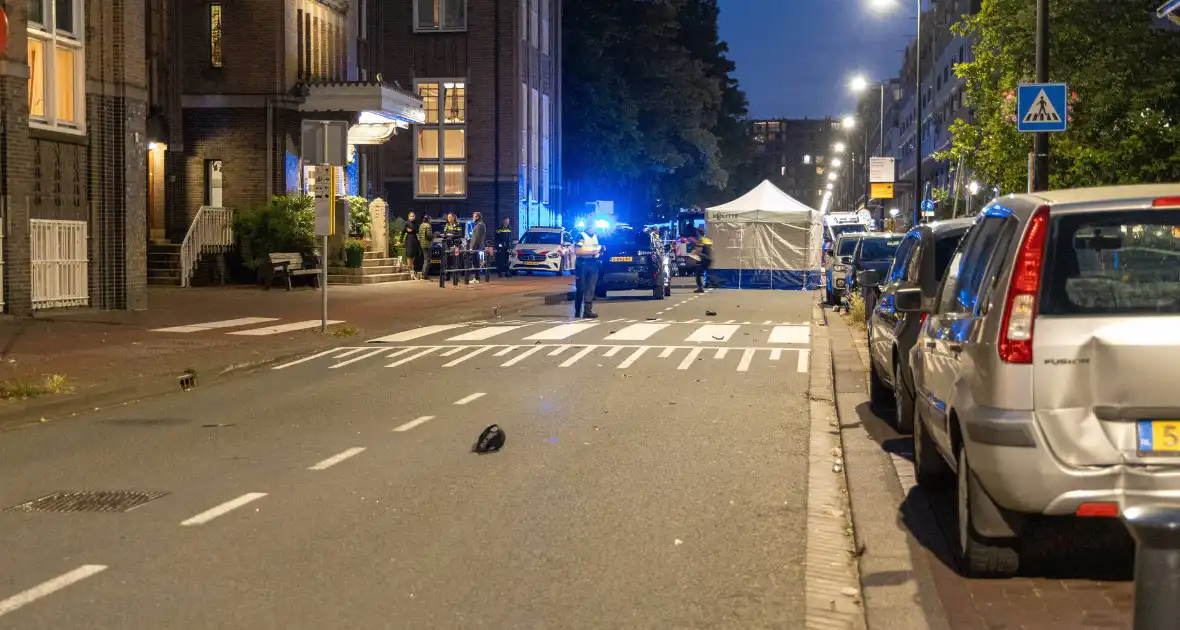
705	250
452	245
587	250
503	247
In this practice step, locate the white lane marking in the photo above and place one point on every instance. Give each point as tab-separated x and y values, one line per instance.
744	364
412	357
692	356
413	423
470	355
349	353
767	323
804	355
691	321
308	358
49	587
410	335
355	359
564	331
712	333
505	351
225	323
613	351
731	321
776	354
394	355
337	458
721	352
629	361
636	332
284	328
667	352
578	357
790	334
481	334
558	350
745	323
614	321
466	399
522	356
452	352
224	508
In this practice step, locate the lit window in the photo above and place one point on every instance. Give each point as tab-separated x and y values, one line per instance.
56	71
807	159
215	35
440	15
440	147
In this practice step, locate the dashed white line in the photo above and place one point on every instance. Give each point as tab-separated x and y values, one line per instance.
227	323
804	355
470	355
776	354
413	423
578	357
349	353
613	351
505	351
306	359
721	352
692	356
558	350
284	328
466	399
732	321
359	358
522	356
410	335
744	364
337	458
49	587
634	357
452	351
412	357
667	352
224	508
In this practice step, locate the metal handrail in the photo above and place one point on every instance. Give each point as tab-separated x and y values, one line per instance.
211	231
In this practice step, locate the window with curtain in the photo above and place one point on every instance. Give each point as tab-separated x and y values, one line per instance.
440	15
56	71
215	35
440	146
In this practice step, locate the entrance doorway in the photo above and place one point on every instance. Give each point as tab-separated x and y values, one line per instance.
155	191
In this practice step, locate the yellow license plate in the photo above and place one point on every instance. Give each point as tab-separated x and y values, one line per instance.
620	259
434	261
534	264
1160	436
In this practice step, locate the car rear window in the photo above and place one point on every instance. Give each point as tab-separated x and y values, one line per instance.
847	246
878	249
1113	263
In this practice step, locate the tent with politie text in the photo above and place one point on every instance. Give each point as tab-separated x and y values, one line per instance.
765	239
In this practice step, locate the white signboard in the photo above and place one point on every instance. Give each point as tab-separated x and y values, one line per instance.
882	170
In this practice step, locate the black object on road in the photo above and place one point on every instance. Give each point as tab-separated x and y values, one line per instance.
711	313
490	441
1156	529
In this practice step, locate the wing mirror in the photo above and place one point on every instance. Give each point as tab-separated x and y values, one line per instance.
908	300
868	278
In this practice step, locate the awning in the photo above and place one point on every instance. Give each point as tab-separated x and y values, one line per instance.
379	104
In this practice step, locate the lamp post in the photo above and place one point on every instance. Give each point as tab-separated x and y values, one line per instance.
919	191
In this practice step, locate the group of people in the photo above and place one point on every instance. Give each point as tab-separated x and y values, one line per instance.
460	252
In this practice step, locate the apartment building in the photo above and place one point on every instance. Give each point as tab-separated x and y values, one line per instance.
797	155
489	75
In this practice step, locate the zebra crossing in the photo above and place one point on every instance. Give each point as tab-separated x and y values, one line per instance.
251	326
609	332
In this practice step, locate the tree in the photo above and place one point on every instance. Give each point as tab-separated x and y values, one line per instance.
1125	108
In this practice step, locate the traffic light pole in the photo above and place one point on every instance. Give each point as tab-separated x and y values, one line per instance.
1041	140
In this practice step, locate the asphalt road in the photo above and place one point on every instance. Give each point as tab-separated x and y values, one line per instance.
653	477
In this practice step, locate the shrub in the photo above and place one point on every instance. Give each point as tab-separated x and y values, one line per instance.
354	252
360	220
856	310
286	224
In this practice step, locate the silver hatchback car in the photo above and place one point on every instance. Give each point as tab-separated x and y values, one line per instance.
1046	373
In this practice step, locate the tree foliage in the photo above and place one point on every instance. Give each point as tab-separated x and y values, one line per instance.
1125	112
652	115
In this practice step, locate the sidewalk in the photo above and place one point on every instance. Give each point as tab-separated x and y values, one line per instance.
113	356
1078	577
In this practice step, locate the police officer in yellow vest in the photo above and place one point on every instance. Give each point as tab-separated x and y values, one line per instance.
503	247
587	250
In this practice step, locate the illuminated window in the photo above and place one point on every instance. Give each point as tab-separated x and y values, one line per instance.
440	147
440	15
56	69
215	35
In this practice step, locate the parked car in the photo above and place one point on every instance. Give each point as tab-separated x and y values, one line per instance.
1044	372
921	260
628	263
873	252
837	260
549	249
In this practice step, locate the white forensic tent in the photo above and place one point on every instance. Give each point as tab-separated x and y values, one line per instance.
765	239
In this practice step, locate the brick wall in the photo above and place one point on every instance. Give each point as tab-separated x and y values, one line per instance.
252	47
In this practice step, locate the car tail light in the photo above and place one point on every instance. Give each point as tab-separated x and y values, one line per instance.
922	321
1020	309
1166	202
1099	510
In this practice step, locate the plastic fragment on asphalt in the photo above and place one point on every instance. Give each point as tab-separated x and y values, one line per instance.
678	542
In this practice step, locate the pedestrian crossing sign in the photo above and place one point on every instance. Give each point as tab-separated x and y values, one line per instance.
1042	107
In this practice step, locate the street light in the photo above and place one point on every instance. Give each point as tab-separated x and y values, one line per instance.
831	186
974	188
832	177
919	191
849	122
838	147
837	162
859	84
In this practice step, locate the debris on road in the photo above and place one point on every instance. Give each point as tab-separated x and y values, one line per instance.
490	441
711	313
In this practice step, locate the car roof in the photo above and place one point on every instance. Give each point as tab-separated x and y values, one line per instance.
869	235
545	229
1138	195
950	226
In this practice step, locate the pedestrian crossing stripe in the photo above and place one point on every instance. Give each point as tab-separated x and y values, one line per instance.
240	322
1042	110
507	356
556	330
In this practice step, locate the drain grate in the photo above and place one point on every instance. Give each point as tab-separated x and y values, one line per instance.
87	502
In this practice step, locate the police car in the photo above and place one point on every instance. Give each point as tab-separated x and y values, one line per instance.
548	249
629	263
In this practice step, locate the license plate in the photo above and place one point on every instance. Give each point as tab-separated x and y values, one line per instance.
620	259
434	261
534	264
1159	436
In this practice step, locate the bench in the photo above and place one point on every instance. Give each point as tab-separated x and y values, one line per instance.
293	264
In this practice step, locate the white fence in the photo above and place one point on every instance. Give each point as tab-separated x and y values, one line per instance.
212	231
60	263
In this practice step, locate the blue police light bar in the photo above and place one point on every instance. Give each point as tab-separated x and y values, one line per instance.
602	224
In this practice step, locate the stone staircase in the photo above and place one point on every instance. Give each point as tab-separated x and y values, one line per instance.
163	264
376	269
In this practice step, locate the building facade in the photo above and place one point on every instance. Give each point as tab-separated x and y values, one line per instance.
489	75
797	155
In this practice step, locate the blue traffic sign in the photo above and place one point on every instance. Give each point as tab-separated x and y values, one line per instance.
927	205
1042	107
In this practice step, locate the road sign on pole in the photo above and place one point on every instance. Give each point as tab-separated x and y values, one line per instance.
927	207
882	171
1042	107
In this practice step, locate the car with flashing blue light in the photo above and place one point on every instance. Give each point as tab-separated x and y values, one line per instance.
630	263
543	249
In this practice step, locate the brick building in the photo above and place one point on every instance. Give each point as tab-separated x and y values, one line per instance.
73	105
489	74
797	155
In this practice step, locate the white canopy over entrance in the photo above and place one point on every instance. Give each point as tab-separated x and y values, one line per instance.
765	239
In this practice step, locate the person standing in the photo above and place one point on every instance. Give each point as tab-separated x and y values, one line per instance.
705	250
503	247
476	244
426	241
452	244
413	246
587	250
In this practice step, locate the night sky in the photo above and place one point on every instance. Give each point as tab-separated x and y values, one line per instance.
795	57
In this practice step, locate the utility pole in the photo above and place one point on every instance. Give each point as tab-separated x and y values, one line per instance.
919	192
1041	141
